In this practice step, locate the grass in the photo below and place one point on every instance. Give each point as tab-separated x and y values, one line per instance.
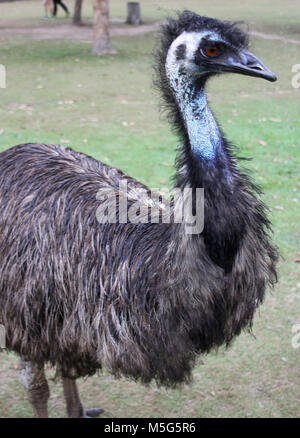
57	92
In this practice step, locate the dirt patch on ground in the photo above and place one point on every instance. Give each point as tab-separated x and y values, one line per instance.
269	36
53	30
50	30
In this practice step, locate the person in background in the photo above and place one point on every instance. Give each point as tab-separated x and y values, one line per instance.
59	2
48	8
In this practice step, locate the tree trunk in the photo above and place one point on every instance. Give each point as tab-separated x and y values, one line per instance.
77	13
134	13
101	44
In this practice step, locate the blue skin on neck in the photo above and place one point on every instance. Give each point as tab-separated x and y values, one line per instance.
205	138
204	134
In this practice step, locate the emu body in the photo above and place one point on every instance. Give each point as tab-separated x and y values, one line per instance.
142	300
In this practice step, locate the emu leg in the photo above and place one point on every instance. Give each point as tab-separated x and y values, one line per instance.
74	406
35	382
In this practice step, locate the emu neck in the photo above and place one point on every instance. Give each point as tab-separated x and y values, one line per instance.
205	138
204	146
204	162
205	150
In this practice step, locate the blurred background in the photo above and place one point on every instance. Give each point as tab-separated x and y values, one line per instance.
57	87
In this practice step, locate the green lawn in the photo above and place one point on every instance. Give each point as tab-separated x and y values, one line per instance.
57	92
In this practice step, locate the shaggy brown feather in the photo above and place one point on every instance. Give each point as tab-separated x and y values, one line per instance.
129	297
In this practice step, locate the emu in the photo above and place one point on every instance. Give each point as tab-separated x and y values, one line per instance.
143	299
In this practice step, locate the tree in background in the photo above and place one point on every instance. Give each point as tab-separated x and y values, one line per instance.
101	45
134	13
77	12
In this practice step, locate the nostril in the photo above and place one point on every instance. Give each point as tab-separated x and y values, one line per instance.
256	67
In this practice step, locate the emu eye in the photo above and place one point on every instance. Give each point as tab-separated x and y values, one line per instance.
212	51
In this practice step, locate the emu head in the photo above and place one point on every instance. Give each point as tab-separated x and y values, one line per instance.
194	48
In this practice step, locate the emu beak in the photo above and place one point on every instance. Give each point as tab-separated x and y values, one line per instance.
248	64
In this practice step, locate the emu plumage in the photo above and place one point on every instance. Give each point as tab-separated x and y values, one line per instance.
142	300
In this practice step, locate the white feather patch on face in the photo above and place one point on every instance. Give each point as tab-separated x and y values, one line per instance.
191	41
